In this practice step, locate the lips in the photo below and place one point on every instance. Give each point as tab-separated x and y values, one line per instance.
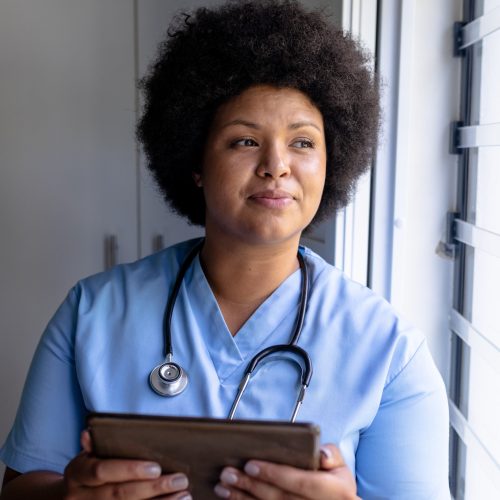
272	198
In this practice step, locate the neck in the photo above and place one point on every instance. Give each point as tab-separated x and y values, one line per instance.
242	276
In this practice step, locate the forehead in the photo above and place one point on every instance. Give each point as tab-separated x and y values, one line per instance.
264	103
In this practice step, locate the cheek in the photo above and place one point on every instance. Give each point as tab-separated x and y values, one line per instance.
222	187
316	193
229	174
314	182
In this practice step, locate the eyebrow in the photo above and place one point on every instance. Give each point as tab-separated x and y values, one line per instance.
292	126
304	124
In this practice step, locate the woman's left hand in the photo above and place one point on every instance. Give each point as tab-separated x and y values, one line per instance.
269	481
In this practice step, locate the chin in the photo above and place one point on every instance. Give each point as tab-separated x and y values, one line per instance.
271	236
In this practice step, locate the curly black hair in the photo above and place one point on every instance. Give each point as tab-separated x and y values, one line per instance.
214	54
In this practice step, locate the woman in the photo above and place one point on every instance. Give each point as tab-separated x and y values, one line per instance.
259	118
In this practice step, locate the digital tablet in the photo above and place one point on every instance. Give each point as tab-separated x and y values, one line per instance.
201	447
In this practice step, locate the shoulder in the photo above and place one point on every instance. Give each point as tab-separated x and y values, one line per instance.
119	293
363	323
126	280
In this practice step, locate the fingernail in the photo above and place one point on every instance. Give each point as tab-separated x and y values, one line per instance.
179	481
186	497
229	476
151	470
326	452
251	469
221	492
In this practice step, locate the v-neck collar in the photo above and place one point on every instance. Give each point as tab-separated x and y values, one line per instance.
228	352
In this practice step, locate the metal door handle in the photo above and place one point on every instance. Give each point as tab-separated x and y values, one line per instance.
110	251
158	243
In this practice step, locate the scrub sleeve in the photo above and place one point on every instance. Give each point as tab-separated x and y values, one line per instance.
51	414
403	454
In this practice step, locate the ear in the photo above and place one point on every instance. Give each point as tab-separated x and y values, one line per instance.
197	179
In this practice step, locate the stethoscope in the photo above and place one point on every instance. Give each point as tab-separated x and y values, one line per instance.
170	379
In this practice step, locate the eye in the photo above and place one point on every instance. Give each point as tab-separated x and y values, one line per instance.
303	143
245	141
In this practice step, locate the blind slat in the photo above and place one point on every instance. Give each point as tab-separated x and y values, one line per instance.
474	445
476	30
475	136
475	339
478	238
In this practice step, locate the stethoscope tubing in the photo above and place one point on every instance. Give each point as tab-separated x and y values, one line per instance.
169	309
174	386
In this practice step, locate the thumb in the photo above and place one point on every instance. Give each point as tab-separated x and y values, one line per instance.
330	457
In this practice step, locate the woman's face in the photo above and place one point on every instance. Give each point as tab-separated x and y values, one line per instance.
264	166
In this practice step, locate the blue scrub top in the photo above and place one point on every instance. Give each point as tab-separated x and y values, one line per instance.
375	391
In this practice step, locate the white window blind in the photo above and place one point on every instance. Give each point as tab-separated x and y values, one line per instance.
475	402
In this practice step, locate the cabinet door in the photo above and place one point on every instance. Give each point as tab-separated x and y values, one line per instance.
67	162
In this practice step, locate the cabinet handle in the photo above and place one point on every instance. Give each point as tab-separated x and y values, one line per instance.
110	251
158	243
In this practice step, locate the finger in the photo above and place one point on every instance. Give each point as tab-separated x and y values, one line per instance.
86	441
299	482
183	495
236	485
91	471
174	484
330	457
222	490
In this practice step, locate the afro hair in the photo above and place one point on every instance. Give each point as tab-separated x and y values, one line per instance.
214	54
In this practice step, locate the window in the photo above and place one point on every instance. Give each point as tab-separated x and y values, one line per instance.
474	391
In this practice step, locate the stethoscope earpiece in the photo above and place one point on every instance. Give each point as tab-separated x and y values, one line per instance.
168	379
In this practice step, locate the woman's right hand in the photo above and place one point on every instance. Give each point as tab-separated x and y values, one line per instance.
87	477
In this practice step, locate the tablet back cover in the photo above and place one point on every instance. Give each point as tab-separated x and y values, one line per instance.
200	448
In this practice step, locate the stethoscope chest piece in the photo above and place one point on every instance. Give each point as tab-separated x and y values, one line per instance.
168	379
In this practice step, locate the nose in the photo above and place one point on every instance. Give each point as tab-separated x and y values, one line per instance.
273	162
